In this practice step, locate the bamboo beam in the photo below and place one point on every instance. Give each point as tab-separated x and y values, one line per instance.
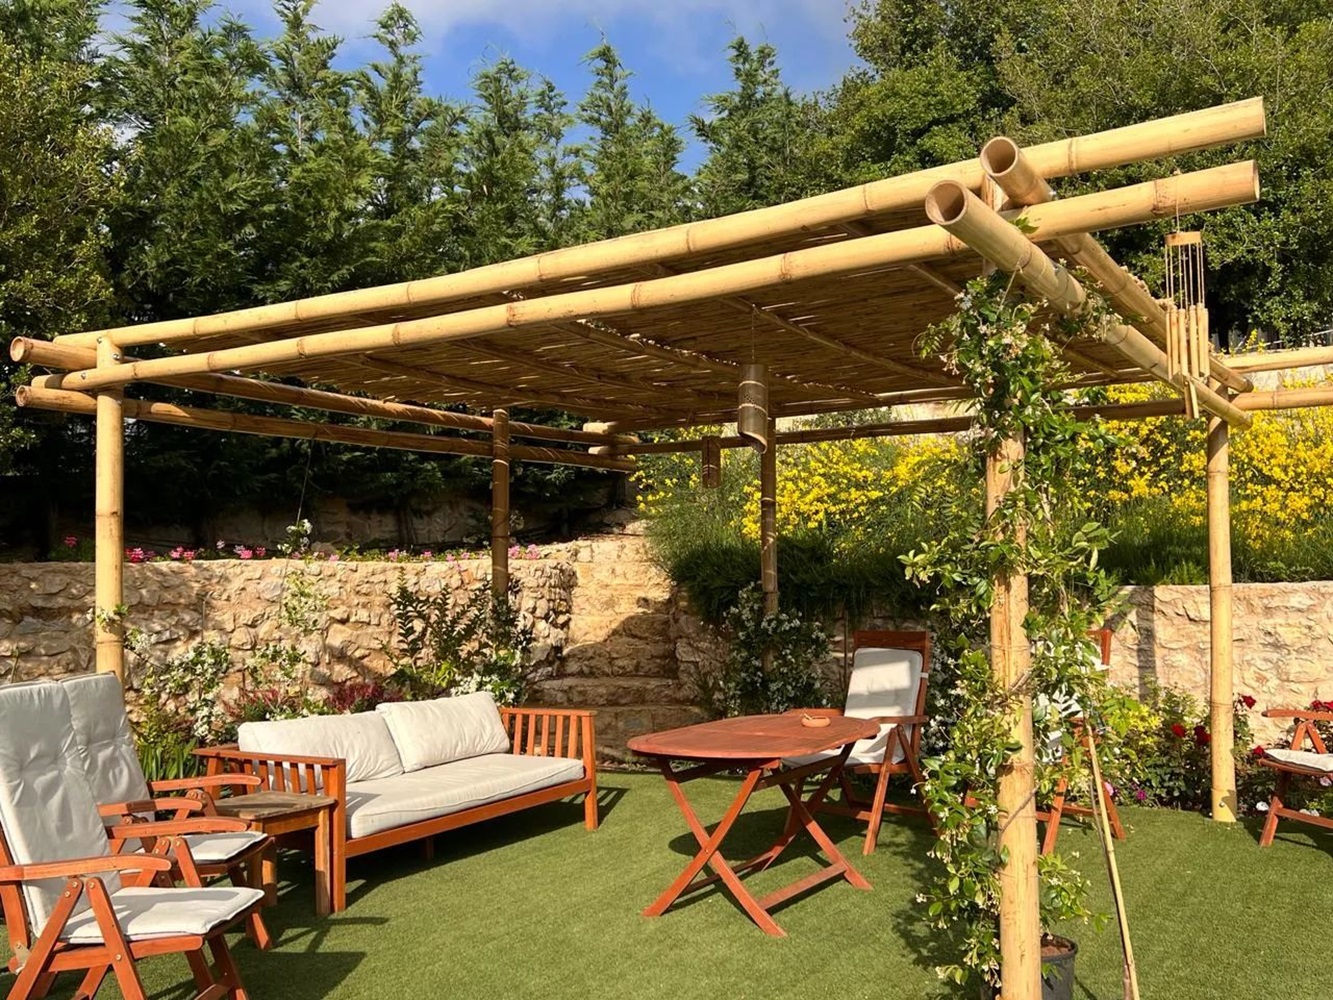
1271	361
966	216
63	401
27	350
1220	666
109	549
500	506
1163	137
1213	188
1020	927
1004	161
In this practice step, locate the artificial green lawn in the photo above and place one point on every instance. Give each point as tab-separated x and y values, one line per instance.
532	905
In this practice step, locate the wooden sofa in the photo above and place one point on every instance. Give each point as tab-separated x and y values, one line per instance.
531	733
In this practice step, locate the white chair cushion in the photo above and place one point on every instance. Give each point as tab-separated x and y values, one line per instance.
102	731
154	913
1303	758
883	682
362	740
47	808
852	759
219	848
387	803
444	729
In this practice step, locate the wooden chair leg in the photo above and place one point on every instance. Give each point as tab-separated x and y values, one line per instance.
228	975
428	849
590	817
92	982
1270	824
255	928
34	971
43	985
122	959
877	809
203	975
1113	817
1053	817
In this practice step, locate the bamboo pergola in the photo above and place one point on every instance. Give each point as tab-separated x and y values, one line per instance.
827	295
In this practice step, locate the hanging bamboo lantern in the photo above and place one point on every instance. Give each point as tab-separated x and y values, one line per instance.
712	463
752	407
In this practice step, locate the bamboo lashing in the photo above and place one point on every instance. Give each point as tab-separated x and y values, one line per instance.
1005	162
1214	188
27	350
1195	130
964	214
63	401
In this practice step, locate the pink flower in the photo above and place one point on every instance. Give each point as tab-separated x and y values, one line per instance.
428	554
260	551
392	555
71	541
221	545
135	555
177	553
333	557
244	553
188	555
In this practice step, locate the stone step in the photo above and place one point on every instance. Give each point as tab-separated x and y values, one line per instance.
619	656
597	692
598	628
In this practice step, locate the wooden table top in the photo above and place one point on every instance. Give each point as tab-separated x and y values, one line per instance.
270	804
752	737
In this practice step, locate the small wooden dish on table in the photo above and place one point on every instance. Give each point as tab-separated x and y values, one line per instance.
757	744
280	813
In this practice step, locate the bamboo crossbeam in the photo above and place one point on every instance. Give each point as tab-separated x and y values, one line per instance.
26	350
1272	361
63	401
1214	188
1006	164
966	216
1194	130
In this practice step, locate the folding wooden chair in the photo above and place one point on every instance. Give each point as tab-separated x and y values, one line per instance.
126	798
1060	804
1296	762
887	685
69	903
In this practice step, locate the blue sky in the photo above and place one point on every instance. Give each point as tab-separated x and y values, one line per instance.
675	48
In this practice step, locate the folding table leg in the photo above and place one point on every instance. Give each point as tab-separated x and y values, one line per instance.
829	848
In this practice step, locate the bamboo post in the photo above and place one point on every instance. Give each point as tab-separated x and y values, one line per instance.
1020	919
109	495
1098	802
1220	693
768	519
500	504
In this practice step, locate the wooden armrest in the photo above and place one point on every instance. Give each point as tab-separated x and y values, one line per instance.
174	804
84	866
177	827
204	782
818	713
1298	713
243	756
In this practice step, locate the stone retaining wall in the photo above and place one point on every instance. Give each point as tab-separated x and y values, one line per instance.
611	632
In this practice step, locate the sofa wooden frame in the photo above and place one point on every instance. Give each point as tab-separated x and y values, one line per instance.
533	732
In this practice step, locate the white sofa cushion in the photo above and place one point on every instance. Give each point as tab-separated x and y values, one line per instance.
145	913
1303	758
444	729
387	803
362	740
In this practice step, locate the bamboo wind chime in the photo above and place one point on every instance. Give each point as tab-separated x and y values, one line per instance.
1186	314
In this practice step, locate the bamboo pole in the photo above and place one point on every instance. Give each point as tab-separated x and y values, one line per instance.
1218	187
768	528
1220	666
63	401
1269	361
964	214
1020	922
1004	161
1163	137
26	350
109	552
500	505
1098	798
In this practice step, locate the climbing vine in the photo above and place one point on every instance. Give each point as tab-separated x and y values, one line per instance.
1007	351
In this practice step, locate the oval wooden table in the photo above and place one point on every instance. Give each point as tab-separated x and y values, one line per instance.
757	744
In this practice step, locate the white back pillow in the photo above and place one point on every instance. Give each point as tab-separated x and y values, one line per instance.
435	732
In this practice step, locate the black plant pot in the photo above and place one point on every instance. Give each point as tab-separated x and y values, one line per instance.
1057	958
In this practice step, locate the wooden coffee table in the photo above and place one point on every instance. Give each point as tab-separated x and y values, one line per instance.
757	744
278	813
